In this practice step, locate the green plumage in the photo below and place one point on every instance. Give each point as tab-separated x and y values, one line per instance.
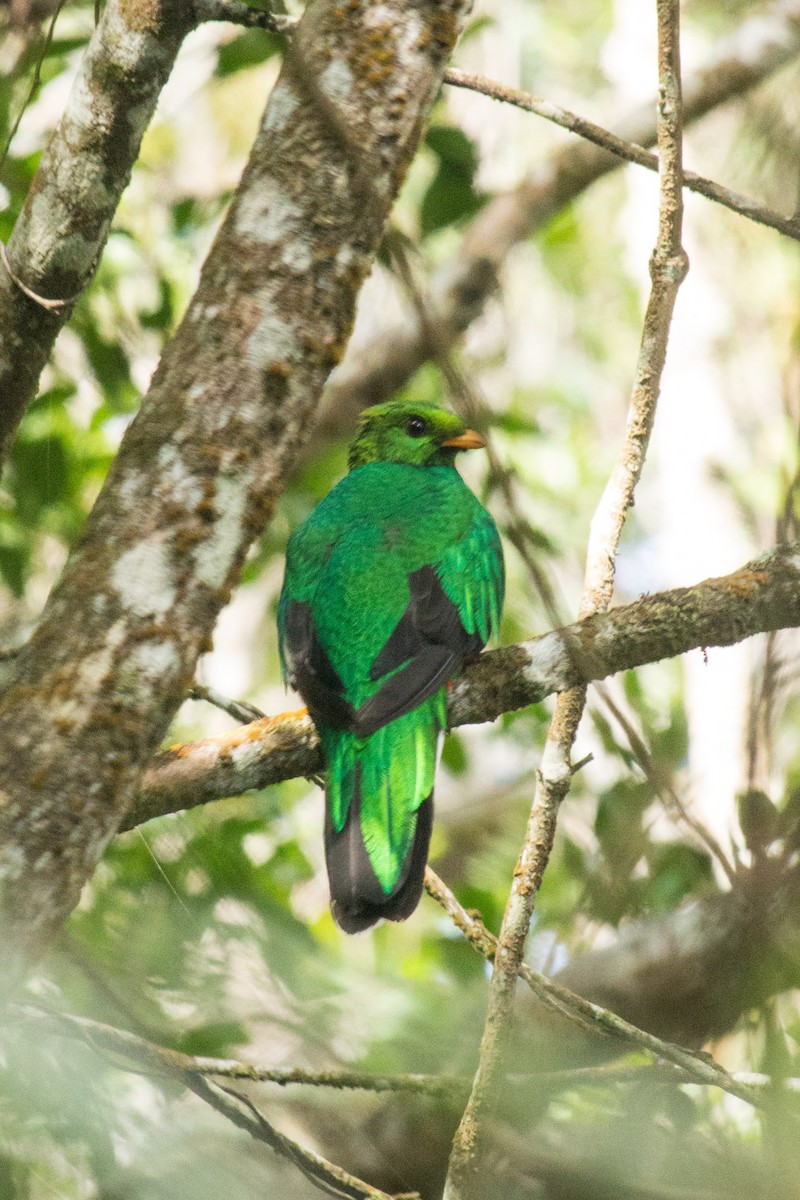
393	580
398	763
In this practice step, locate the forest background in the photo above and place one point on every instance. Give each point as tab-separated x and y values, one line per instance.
510	281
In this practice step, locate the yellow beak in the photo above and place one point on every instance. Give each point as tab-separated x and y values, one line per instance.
468	440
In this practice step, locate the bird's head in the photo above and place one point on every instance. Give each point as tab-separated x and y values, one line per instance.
420	435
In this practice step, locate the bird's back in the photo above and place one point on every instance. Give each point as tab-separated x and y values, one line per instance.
393	579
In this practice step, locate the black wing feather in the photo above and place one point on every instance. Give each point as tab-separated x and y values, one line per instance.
428	644
311	671
426	647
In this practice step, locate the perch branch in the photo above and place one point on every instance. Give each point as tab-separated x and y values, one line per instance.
761	596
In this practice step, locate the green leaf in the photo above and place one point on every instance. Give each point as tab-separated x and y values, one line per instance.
41	467
454	756
249	49
14	563
759	819
476	26
450	195
215	1039
676	871
452	146
619	826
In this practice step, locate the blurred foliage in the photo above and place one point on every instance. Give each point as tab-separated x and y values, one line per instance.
209	931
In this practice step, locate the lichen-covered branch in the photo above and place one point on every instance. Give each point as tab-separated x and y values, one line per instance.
203	462
668	268
763	595
155	1057
57	241
461	286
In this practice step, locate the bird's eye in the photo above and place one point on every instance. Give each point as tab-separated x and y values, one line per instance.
416	426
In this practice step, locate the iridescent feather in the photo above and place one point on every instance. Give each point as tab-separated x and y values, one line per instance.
391	583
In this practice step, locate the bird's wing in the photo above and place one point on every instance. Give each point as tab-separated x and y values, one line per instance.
472	576
438	615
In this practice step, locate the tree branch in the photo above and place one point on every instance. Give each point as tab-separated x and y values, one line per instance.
242	14
462	285
58	238
745	206
160	1060
585	1014
240	710
202	464
762	595
156	1058
668	268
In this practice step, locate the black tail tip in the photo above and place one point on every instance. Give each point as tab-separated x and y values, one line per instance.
354	916
357	901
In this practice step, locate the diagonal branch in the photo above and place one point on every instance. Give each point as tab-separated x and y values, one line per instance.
58	238
668	268
160	1060
462	285
762	595
746	206
204	461
583	1013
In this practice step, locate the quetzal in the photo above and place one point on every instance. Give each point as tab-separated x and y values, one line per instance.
394	580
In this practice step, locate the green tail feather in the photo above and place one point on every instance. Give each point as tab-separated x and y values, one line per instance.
397	766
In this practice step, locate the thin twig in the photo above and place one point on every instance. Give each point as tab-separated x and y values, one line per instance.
662	1072
160	1060
243	14
50	304
763	704
681	1065
588	1016
663	787
745	206
240	710
668	268
362	1081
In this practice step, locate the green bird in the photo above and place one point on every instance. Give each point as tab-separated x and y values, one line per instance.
393	581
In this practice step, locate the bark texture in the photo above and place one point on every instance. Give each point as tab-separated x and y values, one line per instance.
202	464
763	595
62	229
462	285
